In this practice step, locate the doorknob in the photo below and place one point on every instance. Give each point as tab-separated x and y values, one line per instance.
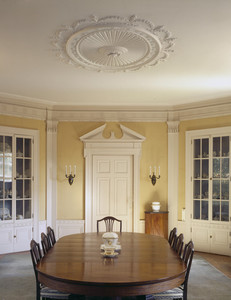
14	236
211	236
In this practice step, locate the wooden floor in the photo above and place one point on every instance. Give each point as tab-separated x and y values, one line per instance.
221	262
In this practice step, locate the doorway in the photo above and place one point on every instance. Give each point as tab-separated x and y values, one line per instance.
112	177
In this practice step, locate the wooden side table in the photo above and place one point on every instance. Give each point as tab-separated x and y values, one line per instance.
156	223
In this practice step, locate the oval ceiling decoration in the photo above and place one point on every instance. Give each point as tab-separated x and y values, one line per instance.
113	44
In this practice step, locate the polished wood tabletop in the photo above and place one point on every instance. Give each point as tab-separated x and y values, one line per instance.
146	264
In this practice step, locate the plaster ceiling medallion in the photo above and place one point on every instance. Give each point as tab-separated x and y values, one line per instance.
113	43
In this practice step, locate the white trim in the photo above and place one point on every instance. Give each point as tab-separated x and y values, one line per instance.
51	173
96	144
66	227
37	109
173	166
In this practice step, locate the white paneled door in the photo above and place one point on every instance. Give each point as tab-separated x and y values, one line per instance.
112	190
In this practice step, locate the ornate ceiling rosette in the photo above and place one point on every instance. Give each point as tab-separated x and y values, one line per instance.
113	43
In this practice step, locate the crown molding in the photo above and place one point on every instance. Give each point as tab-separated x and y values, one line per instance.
41	111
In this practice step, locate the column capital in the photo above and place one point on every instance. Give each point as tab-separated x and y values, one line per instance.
173	126
52	126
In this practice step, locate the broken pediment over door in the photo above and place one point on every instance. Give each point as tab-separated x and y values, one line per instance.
106	141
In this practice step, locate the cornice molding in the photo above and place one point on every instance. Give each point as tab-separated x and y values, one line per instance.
39	111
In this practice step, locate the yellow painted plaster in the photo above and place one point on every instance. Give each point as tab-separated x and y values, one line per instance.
70	203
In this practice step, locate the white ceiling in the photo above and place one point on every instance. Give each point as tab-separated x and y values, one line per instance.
199	69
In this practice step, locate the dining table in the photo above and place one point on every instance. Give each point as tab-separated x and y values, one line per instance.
145	264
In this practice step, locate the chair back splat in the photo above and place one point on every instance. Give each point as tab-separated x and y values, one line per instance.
109	222
51	235
172	237
46	243
179	244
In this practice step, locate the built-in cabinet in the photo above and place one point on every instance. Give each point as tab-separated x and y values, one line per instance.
208	188
16	188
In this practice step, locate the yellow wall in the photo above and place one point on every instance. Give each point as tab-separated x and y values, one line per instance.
193	125
35	125
70	204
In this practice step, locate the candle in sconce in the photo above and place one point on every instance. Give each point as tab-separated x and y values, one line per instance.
159	170
155	170
66	169
74	169
70	169
150	171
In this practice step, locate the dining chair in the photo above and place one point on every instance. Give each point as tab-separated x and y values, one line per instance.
178	246
46	244
41	290
181	291
172	237
109	222
51	235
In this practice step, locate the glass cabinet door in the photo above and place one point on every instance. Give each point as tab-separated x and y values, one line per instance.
6	177
220	179
211	178
15	196
23	178
201	179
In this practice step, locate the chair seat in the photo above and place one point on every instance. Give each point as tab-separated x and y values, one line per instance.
175	293
46	292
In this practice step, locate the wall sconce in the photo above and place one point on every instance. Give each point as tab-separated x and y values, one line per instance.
70	177
153	176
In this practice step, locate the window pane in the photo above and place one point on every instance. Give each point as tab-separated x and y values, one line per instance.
27	148
225	167
205	168
8	210
216	147
1	210
19	168
216	210
197	148
19	189
205	189
27	189
225	146
27	169
196	168
1	188
205	147
8	189
1	144
1	166
27	209
196	213
19	209
225	211
8	166
205	210
19	147
8	144
225	190
196	193
216	189
216	168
